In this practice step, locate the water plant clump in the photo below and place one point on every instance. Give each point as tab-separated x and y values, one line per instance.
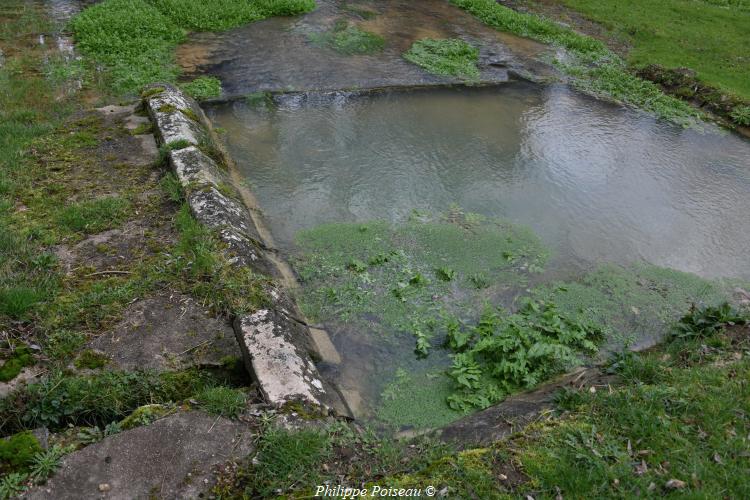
203	87
450	57
639	302
589	63
504	353
350	39
412	277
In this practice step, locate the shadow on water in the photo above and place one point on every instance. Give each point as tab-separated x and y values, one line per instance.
278	53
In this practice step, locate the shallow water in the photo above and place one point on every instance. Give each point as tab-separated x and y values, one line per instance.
278	53
595	181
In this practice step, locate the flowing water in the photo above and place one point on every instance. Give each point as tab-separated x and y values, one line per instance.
596	182
280	53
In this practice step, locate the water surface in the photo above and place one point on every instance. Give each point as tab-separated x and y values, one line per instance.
596	181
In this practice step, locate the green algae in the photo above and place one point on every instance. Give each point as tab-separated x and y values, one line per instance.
415	274
640	302
417	400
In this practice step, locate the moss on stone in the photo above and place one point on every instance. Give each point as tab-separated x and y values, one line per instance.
20	358
17	452
144	415
91	359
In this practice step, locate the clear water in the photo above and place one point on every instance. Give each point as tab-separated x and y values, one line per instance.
595	181
279	53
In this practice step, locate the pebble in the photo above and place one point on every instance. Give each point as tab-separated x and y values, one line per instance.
104	487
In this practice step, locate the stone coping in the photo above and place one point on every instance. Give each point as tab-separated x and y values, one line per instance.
276	345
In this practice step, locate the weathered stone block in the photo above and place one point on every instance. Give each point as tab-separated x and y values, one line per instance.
215	210
194	169
177	116
284	372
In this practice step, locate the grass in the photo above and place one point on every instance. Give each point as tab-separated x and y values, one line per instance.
449	57
222	400
203	87
135	39
94	216
350	39
98	399
589	63
708	37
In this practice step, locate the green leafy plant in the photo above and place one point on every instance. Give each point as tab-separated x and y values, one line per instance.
706	322
446	273
508	352
203	87
12	485
350	39
46	462
741	115
450	57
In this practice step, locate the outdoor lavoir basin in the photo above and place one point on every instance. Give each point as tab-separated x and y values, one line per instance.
433	230
463	238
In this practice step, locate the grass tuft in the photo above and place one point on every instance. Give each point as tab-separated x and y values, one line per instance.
94	216
450	57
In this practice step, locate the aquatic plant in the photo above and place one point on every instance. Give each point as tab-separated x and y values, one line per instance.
410	274
589	63
349	39
135	39
507	352
203	87
450	57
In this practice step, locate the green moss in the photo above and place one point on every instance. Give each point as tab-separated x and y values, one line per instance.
450	57
144	415
417	400
19	358
166	108
17	452
306	412
203	87
91	359
143	128
190	114
152	92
